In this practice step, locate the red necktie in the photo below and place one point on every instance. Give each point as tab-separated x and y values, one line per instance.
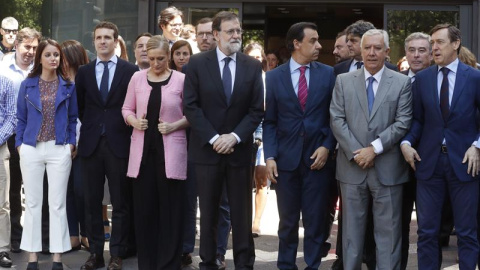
302	88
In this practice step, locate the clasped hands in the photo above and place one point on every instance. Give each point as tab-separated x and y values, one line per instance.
365	157
224	144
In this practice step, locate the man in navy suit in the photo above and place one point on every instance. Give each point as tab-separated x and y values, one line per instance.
446	99
297	142
104	145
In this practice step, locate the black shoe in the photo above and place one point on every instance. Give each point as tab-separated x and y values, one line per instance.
95	261
220	261
57	266
325	249
186	259
5	260
115	263
32	266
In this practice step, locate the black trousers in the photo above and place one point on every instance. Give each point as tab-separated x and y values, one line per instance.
15	191
95	167
409	194
158	215
210	181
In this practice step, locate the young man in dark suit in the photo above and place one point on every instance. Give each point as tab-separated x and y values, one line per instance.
104	145
223	97
297	142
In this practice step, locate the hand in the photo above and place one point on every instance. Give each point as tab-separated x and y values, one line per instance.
140	123
73	150
320	157
473	157
224	144
166	127
365	157
272	172
410	155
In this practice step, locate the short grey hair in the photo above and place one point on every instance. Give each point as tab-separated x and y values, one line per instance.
373	32
10	21
418	35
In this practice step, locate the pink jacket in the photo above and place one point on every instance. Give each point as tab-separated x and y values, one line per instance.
171	110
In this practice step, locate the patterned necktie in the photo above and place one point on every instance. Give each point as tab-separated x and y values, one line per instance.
104	81
359	65
444	104
370	95
227	79
302	87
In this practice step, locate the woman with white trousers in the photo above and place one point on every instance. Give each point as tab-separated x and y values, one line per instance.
47	117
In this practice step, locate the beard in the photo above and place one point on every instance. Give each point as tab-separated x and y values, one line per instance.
232	47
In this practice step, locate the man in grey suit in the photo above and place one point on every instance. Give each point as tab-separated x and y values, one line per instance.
371	111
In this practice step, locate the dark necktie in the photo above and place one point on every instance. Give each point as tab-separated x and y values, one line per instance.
227	79
370	95
359	65
444	104
104	81
302	87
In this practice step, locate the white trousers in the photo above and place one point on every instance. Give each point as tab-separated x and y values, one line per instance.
33	161
4	202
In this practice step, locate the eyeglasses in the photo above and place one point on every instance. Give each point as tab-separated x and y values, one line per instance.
10	31
207	34
176	25
233	31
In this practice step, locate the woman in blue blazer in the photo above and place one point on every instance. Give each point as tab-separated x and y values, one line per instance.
47	118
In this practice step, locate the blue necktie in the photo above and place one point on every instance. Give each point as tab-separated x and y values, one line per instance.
227	79
104	81
370	95
444	104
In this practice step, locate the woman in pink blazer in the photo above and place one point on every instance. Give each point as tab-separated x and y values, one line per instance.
158	158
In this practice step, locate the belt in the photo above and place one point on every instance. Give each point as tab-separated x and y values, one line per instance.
443	149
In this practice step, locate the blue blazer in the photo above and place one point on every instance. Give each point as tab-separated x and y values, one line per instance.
29	113
428	128
290	134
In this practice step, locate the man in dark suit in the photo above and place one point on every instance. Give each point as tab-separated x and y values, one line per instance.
354	33
370	112
444	130
297	142
418	52
104	145
223	97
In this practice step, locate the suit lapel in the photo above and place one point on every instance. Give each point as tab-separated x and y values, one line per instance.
313	86
214	70
460	80
239	75
94	82
382	90
361	90
117	77
288	85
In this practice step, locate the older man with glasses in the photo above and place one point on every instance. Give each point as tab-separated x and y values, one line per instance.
9	32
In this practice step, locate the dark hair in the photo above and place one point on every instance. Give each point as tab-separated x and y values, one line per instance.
146	34
177	45
340	34
37	65
296	32
454	33
203	21
107	25
167	15
75	54
359	28
221	17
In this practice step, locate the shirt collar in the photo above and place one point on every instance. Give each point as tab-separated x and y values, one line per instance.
10	59
221	55
410	73
377	75
453	66
114	59
294	65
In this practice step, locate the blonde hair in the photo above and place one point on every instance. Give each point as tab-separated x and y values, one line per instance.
158	42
